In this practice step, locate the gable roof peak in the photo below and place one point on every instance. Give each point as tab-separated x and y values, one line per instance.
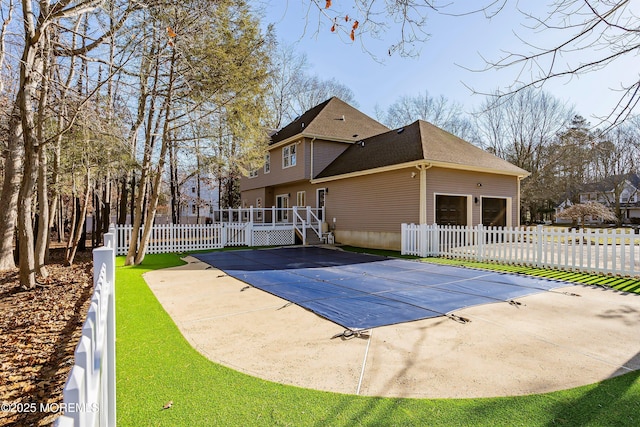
332	119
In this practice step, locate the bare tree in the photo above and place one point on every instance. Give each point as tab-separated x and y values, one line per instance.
292	90
43	24
287	69
313	90
523	130
613	163
439	111
577	37
586	36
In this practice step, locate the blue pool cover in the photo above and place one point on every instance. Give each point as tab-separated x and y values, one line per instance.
359	291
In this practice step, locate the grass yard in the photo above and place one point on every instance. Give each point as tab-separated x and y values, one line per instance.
155	365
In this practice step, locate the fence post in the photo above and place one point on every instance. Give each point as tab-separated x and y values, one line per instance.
422	234
248	237
540	245
223	234
479	235
435	249
403	238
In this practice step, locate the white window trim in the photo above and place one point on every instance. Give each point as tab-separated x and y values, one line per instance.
253	173
288	157
303	195
267	163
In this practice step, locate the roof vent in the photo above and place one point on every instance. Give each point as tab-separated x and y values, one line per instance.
361	143
355	135
302	124
342	118
400	130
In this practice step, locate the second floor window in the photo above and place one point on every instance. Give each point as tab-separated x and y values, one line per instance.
267	163
253	173
289	156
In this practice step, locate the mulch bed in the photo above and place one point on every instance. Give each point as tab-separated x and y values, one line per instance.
39	331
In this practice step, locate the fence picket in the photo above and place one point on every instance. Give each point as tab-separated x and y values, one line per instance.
90	388
601	251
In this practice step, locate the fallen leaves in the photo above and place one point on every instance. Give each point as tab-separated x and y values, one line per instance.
39	331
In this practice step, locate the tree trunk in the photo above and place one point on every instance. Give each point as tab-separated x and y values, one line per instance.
82	215
42	240
25	221
74	218
123	200
106	207
10	190
173	185
155	188
30	76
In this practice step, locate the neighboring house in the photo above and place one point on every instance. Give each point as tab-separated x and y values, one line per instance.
199	199
617	191
371	179
562	206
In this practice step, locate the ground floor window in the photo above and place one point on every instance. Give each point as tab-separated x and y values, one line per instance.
494	212
451	210
301	198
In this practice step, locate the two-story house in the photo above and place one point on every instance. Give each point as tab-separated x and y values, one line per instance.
621	193
371	179
199	198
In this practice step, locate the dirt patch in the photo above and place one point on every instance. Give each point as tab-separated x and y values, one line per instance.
39	331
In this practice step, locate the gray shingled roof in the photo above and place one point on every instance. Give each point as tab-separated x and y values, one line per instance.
610	182
333	119
418	141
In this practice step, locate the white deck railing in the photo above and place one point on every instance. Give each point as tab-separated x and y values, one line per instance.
169	238
232	227
611	251
274	216
90	392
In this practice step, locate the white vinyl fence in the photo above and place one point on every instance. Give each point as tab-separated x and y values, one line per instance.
167	238
612	251
90	392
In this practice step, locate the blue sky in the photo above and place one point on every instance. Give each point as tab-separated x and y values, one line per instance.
456	43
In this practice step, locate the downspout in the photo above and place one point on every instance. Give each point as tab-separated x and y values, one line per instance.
520	178
423	191
311	176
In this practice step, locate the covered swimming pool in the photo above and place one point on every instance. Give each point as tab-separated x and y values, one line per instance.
360	291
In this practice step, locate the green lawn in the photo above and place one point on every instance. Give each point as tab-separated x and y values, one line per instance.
155	364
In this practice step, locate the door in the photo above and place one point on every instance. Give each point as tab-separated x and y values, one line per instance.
320	201
451	210
494	212
282	208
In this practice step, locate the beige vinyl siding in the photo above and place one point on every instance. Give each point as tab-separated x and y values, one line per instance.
277	174
374	203
325	152
249	198
293	190
465	183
